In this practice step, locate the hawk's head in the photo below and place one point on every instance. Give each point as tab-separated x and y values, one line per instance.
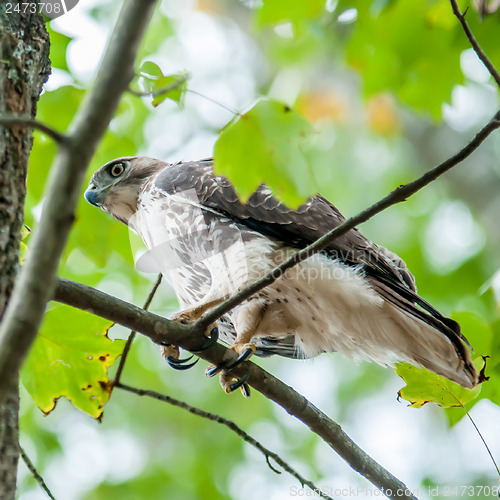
115	186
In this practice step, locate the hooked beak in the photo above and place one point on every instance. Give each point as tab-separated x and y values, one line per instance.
95	196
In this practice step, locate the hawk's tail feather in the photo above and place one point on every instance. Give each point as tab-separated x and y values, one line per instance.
435	342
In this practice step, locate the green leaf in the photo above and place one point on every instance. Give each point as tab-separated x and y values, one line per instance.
423	386
149	73
177	85
156	83
71	357
150	70
265	145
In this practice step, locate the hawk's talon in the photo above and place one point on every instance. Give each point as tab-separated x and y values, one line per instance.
246	354
172	352
177	361
245	390
214	336
226	381
213	370
180	364
240	382
226	365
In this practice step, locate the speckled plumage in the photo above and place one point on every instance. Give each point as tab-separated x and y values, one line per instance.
355	297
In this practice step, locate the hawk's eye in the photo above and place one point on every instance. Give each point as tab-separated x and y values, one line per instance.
117	169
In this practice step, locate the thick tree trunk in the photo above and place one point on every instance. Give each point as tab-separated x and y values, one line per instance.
24	67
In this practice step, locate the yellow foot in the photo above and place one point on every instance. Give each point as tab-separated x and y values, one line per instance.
185	317
195	313
170	350
230	383
245	350
171	354
190	316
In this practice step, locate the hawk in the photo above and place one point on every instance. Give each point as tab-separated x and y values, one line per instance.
355	297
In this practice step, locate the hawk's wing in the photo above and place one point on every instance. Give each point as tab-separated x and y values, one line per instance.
262	212
297	228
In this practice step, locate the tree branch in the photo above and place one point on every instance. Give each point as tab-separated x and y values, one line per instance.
12	121
161	330
231	425
475	45
132	334
214	101
35	282
39	479
398	195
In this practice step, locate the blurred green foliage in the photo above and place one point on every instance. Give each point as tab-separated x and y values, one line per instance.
382	46
376	79
296	12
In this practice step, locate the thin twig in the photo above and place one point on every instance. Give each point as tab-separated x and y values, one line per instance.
39	479
11	121
477	430
483	440
475	45
132	334
162	330
227	108
175	85
230	425
398	195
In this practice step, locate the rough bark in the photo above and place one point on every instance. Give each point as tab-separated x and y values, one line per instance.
24	67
